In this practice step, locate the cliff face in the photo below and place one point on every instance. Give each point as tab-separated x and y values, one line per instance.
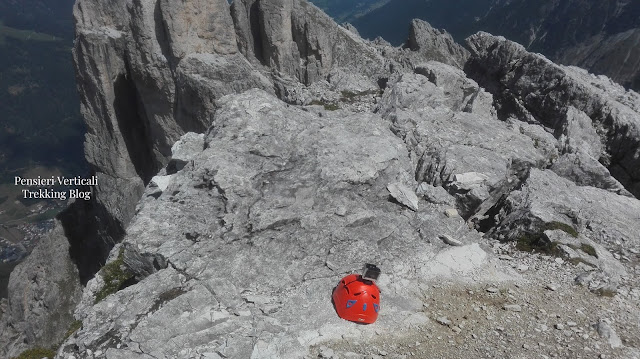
249	155
151	71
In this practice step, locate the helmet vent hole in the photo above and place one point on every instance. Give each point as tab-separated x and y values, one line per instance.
357	293
373	296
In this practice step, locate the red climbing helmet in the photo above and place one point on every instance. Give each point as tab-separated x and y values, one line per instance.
357	298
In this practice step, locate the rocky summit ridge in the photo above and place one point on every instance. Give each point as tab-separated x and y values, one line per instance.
251	154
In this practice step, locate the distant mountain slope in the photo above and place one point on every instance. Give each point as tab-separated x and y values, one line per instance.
46	16
550	26
347	10
597	35
391	21
617	56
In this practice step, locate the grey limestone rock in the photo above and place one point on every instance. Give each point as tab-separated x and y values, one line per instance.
246	22
435	44
324	46
184	150
161	182
468	181
532	88
203	78
279	50
43	294
451	133
423	45
433	194
546	202
404	195
250	235
297	39
351	28
578	133
198	27
586	209
465	93
585	170
450	240
605	331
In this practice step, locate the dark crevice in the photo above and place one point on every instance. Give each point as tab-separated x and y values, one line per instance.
303	50
254	27
484	216
142	265
128	283
382	83
249	11
163	37
132	123
307	52
188	108
92	233
488	221
267	52
90	228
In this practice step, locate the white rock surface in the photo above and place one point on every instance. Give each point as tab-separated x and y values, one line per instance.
404	195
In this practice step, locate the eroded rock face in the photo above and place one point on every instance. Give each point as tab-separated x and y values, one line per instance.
298	40
435	44
530	87
586	222
281	203
449	125
159	66
277	202
208	27
150	71
37	285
